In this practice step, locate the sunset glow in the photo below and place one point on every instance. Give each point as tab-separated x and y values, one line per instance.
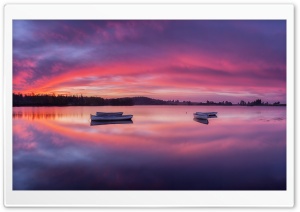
188	60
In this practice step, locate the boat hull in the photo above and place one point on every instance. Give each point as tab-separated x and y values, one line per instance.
109	114
200	116
208	113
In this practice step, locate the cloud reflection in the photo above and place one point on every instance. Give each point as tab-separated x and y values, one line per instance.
160	152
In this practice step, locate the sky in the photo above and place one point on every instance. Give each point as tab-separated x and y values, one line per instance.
186	60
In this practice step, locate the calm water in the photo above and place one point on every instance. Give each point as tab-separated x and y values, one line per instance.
56	148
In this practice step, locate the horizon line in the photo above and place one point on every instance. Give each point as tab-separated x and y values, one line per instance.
175	100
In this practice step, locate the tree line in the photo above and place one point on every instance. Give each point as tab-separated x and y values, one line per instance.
63	100
259	102
79	100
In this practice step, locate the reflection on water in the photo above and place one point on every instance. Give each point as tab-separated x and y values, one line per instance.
202	121
94	123
56	148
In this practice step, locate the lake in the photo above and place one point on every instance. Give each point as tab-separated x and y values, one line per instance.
57	148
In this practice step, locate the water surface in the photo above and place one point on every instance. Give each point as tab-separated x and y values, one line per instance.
57	148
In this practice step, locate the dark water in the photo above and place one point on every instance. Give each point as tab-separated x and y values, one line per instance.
56	148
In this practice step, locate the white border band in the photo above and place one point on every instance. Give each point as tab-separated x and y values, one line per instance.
148	198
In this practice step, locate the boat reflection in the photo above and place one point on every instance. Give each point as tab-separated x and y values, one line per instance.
94	123
202	121
213	116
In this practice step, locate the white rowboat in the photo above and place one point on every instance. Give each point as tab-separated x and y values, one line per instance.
110	118
200	116
208	113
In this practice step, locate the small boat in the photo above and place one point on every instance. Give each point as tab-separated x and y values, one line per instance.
208	113
202	121
109	114
200	116
110	118
95	123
